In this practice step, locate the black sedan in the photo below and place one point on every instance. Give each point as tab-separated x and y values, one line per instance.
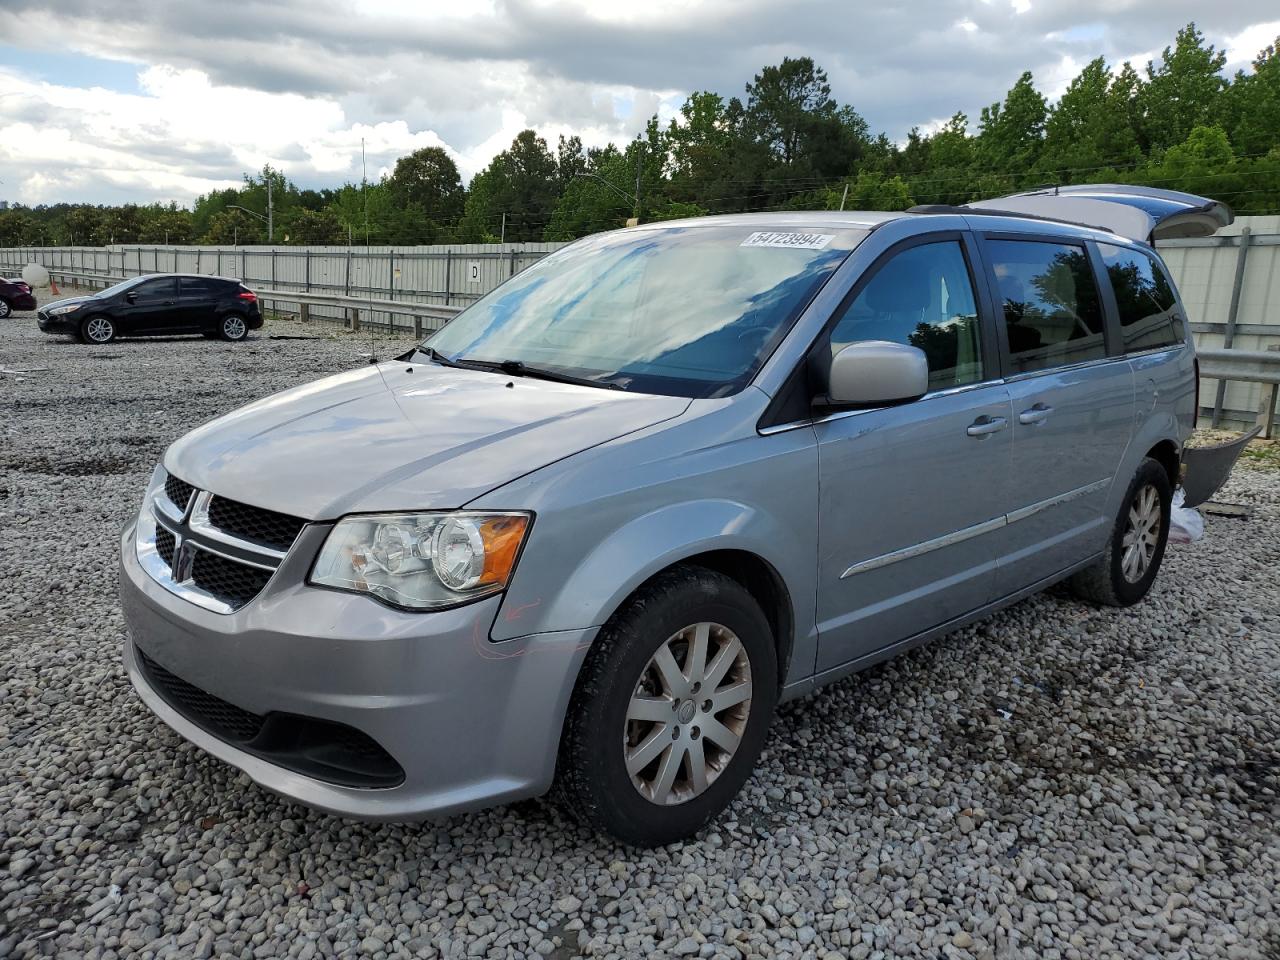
154	305
15	295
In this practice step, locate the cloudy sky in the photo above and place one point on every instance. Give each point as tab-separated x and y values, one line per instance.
120	100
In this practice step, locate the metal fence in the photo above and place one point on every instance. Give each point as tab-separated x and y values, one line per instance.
1230	285
1229	282
449	275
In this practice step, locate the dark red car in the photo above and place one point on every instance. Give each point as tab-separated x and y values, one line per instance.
15	295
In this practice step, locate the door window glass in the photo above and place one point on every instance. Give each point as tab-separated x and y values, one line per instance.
164	288
193	288
1145	299
923	297
1051	309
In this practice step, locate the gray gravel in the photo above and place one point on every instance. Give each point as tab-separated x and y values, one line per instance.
1059	781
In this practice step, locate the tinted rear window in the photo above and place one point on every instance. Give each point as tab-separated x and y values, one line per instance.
1145	299
195	287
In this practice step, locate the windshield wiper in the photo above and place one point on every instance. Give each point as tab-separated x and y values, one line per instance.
438	357
518	368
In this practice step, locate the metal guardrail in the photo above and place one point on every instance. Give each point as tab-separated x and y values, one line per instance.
1250	366
423	315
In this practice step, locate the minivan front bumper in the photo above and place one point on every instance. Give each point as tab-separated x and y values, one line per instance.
470	722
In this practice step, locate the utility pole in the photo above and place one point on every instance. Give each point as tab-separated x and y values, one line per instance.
503	238
271	213
845	196
639	167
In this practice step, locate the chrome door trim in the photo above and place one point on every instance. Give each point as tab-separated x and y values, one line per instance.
1022	513
976	530
916	550
843	414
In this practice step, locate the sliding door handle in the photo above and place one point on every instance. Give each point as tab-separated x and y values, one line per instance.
985	426
1037	414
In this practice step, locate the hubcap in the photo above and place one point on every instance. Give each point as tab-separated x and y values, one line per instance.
99	330
687	714
4	309
233	327
1141	534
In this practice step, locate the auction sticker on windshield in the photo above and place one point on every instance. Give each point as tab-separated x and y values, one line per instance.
801	241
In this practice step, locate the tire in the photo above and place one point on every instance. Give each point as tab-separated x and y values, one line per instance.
678	610
233	327
97	330
1126	571
5	309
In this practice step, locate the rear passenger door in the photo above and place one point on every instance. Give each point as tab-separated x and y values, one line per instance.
1073	403
197	300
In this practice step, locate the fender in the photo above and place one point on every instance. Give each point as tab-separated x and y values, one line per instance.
641	547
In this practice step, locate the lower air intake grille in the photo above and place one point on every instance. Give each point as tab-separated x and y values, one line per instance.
328	751
204	709
275	530
233	583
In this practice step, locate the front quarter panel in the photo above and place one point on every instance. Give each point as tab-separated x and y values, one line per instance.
611	517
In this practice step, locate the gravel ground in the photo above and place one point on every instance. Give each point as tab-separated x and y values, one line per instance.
1058	781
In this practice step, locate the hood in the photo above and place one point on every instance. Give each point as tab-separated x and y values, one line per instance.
384	438
65	301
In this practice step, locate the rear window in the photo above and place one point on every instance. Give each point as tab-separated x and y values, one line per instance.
1144	298
1052	313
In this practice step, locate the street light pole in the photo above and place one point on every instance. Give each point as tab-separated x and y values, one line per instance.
271	214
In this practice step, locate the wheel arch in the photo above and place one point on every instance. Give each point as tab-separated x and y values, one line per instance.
1166	454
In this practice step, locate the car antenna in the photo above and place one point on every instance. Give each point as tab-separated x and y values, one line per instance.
364	195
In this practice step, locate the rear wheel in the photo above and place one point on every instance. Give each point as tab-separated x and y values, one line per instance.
5	309
97	330
671	710
233	327
1126	571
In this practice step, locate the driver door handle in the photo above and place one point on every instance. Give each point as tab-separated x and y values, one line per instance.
1037	414
986	425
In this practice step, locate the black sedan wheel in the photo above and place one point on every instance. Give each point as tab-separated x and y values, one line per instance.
5	309
233	327
97	330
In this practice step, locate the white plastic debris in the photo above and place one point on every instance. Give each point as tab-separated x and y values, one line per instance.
1185	523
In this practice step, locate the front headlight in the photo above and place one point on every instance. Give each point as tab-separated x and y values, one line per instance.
422	561
69	308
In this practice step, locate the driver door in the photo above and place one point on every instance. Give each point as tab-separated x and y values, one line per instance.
910	495
152	307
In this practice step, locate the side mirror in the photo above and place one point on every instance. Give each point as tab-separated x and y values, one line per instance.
131	297
876	373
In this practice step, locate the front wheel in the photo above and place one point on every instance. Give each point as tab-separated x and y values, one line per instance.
232	327
671	710
97	330
5	309
1128	568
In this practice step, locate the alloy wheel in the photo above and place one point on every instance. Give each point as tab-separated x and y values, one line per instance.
5	309
99	330
1141	534
687	714
233	328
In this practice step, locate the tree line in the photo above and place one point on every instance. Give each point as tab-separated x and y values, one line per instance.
786	144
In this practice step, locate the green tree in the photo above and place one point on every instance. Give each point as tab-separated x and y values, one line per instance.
1083	132
520	182
1252	104
428	179
1183	91
171	225
235	227
1012	133
314	228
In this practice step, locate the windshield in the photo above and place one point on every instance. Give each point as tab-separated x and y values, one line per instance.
689	311
123	285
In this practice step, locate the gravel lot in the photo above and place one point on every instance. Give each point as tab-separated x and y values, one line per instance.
1059	781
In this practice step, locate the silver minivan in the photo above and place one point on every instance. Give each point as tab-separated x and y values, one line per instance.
591	533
